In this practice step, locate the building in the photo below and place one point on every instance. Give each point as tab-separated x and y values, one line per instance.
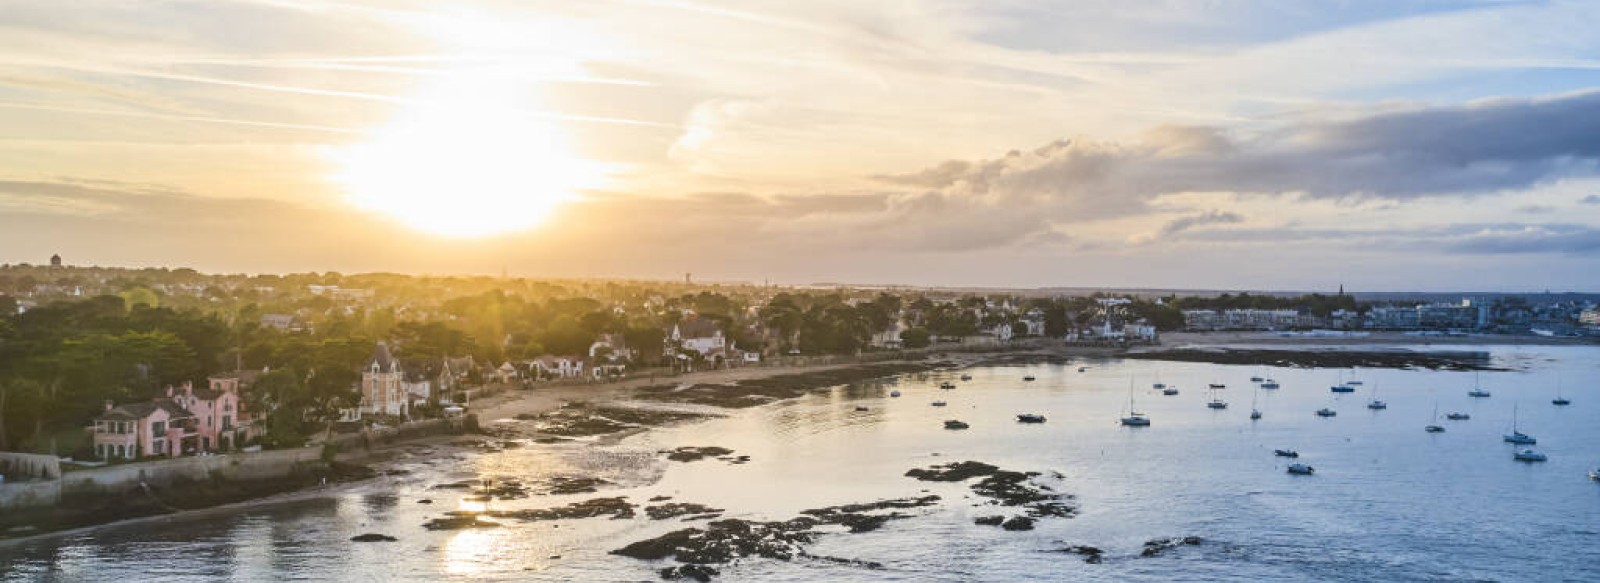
699	335
383	390
283	322
55	260
186	420
1589	317
558	367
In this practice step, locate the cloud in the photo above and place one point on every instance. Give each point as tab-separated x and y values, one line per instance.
1210	218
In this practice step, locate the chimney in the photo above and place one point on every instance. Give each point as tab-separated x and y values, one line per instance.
108	405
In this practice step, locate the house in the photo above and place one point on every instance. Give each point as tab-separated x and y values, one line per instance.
383	390
1034	320
558	367
699	335
284	322
185	420
505	373
887	338
613	348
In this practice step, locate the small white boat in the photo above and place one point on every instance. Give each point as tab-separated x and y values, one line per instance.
1030	418
1136	420
1594	474
861	407
1256	379
947	385
1082	368
939	403
1375	404
966	377
1326	412
1433	425
1478	393
954	424
1560	401
1342	389
1270	384
1529	455
1255	414
1301	469
1434	429
1457	416
1028	378
1285	453
1217	386
1217	404
894	393
1169	391
1159	387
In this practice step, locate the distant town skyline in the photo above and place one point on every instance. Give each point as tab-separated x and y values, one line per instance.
1385	146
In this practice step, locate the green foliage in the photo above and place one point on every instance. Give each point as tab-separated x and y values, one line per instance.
916	338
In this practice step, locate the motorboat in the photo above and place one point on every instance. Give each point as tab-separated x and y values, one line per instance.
966	377
1301	469
1562	401
1256	379
1270	384
1255	414
1434	429
1376	404
1594	474
1479	393
1028	378
1326	412
1169	391
1217	386
1529	454
939	403
954	424
1136	420
1083	368
1457	416
1030	418
1342	389
1285	453
1159	386
947	385
1217	404
861	407
894	393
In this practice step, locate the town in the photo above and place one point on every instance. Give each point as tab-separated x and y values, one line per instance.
111	365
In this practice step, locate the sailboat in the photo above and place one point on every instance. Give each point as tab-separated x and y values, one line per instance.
1255	413
1376	404
1270	384
1559	400
1134	418
1159	386
1516	436
1477	390
1216	402
1434	427
1342	387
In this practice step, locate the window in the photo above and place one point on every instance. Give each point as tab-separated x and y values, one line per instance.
227	422
158	428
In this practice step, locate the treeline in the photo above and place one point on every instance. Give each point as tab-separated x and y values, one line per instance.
1315	304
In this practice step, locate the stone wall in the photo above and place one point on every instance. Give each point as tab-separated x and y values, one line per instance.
20	467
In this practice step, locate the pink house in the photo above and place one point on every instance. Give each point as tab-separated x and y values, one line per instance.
187	420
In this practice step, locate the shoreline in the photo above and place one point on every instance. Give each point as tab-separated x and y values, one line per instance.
525	404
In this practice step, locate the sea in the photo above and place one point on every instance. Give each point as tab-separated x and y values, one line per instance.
1388	501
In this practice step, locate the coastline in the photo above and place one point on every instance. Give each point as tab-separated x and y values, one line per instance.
543	401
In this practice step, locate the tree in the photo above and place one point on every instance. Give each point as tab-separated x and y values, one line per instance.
915	338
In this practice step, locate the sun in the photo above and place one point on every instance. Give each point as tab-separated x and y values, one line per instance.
469	157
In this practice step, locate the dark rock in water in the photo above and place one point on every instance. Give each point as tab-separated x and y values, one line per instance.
723	541
995	520
1091	555
693	453
459	522
701	573
617	508
952	472
660	498
548	439
1155	547
461	485
677	509
373	538
574	485
1018	523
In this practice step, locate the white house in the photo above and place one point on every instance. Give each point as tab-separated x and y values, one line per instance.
559	367
700	335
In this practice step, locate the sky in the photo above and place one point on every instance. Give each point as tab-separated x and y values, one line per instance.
1385	145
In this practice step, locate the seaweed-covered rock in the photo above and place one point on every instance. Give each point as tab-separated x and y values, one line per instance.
702	573
1155	547
676	509
617	508
1091	555
1018	523
695	453
952	472
458	522
995	520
